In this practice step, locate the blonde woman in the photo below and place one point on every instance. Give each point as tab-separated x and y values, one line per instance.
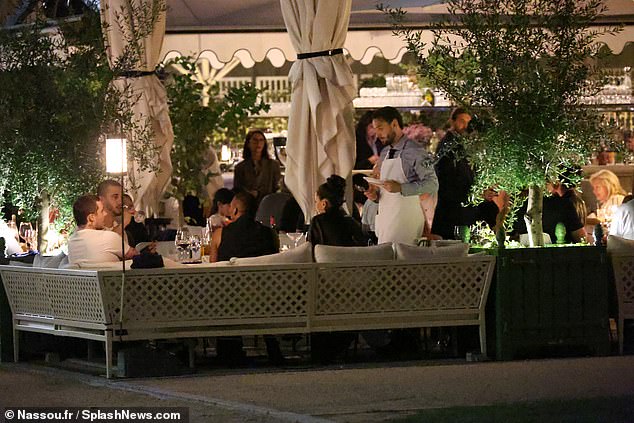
609	193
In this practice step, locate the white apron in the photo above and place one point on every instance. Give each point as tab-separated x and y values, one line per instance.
400	218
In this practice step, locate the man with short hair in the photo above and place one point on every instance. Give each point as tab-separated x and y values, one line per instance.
406	171
109	192
455	179
90	243
243	237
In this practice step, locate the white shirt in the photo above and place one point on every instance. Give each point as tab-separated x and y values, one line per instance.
623	221
91	246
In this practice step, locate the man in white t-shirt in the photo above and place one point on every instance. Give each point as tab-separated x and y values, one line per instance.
90	243
623	220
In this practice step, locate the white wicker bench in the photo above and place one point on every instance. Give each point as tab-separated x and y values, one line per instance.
623	265
248	300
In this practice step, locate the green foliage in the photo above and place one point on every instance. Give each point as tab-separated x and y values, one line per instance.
56	103
199	125
54	85
521	66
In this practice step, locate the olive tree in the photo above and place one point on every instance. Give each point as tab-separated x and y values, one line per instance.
522	65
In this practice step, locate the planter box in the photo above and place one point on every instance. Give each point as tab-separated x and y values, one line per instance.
551	301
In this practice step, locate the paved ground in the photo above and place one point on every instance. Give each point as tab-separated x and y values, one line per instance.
359	393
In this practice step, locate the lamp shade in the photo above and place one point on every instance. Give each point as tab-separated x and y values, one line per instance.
116	155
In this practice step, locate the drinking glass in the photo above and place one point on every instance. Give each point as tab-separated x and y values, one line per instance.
295	237
194	248
27	234
182	243
462	233
139	216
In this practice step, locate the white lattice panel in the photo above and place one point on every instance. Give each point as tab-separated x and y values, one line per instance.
76	298
401	288
27	293
624	276
217	295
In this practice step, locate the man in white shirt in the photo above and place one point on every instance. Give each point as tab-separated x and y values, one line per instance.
623	221
90	243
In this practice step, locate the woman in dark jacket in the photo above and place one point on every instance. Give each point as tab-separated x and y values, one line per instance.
332	226
257	173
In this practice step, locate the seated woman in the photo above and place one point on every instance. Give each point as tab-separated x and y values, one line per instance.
609	192
332	226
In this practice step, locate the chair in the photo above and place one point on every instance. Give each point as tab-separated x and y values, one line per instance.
623	264
272	205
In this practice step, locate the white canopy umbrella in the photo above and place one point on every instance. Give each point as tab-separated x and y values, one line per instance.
149	95
253	30
320	128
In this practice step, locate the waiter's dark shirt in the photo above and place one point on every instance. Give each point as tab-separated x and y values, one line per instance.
247	238
455	179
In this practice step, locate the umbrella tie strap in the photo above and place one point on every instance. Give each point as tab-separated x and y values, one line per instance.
134	74
331	52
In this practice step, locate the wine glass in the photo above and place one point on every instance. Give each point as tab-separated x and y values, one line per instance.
26	233
295	237
182	243
139	216
462	233
194	248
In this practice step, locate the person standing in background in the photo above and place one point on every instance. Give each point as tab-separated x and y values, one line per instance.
406	172
257	173
455	179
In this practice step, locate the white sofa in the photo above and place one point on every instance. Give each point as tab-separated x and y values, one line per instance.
349	289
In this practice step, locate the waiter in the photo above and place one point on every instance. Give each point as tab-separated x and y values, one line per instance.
406	172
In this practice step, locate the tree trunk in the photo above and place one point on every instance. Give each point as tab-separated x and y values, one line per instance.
43	222
533	216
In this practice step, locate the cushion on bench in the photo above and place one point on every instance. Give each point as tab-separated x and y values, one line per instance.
50	262
333	254
619	244
412	252
301	254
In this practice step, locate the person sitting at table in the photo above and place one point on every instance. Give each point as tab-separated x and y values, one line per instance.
135	231
243	237
623	219
221	209
257	173
609	193
109	192
332	225
90	243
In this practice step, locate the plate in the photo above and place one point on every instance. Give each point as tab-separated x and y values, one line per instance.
373	181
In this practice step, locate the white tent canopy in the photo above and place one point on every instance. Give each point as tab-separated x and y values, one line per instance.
253	30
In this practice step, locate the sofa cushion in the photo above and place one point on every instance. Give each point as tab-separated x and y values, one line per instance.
618	244
301	254
412	252
333	254
49	262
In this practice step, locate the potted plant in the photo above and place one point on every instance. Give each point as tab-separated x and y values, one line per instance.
522	66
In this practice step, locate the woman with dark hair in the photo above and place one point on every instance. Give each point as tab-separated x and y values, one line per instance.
366	143
332	226
257	173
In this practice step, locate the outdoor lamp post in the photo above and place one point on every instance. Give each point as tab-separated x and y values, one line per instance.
117	164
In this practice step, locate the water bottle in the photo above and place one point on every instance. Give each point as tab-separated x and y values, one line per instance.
598	235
